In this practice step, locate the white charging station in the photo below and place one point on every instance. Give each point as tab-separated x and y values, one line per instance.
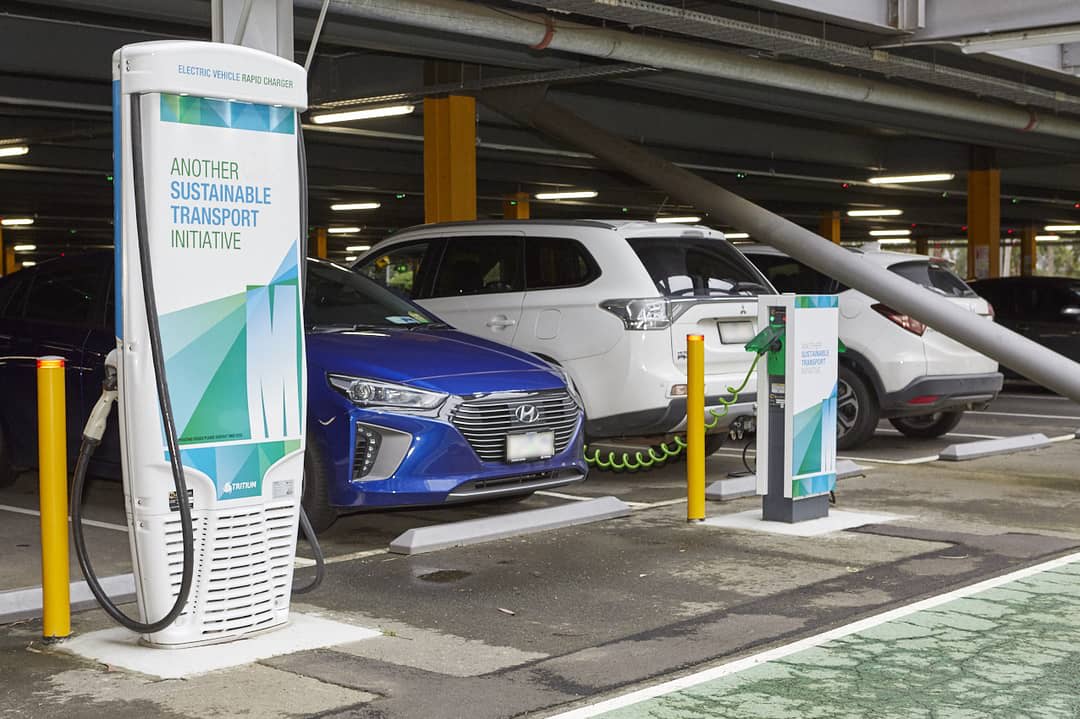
213	131
796	422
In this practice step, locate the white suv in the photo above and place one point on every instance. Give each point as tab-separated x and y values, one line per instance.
895	367
609	302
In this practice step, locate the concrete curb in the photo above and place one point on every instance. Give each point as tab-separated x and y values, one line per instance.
989	447
476	531
19	604
845	468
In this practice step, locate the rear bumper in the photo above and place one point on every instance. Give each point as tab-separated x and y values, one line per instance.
950	393
662	419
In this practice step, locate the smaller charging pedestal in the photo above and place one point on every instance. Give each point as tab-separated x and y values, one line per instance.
796	433
209	194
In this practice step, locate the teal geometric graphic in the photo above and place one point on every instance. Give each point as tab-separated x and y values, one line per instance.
191	110
238	469
803	487
813	301
806	444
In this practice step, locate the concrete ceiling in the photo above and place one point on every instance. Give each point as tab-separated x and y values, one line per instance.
796	153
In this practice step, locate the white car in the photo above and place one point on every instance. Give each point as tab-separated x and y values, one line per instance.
611	303
895	367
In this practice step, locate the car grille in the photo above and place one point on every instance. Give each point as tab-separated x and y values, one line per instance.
486	422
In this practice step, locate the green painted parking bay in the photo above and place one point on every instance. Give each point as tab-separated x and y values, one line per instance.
1004	648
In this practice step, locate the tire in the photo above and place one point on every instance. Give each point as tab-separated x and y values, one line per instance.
713	443
927	426
315	499
8	473
857	410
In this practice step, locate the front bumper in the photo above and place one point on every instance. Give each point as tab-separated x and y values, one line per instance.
663	420
949	393
437	465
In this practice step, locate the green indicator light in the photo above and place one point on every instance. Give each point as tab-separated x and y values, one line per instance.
513	203
72	231
399	196
625	209
108	178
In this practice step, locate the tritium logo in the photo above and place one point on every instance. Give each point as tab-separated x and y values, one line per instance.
231	487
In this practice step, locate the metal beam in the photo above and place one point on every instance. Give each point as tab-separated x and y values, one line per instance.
961	18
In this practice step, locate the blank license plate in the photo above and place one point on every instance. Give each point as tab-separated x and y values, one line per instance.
531	445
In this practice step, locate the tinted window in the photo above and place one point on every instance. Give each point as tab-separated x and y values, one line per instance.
336	297
400	268
1003	298
12	294
933	276
684	266
480	265
1053	299
788	275
64	293
555	262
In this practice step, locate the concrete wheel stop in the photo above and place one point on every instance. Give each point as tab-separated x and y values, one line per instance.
991	447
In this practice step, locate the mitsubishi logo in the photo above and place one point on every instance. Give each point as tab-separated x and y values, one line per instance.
526	413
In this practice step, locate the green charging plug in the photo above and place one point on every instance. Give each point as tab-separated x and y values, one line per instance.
769	339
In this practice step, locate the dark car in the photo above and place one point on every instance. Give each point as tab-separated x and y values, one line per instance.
1043	309
403	409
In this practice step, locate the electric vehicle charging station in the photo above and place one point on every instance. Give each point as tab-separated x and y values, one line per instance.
796	423
209	224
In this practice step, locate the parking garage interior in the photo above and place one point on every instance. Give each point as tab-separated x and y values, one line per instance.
941	129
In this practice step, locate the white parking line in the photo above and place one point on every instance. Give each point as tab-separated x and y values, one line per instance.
1051	398
560	495
875	460
305	562
950	434
817	640
1030	416
87	522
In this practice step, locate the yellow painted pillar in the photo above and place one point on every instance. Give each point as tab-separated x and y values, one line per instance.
1028	251
9	259
3	263
52	489
695	428
320	243
449	159
984	215
830	225
516	206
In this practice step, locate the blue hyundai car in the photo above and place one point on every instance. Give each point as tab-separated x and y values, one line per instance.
403	410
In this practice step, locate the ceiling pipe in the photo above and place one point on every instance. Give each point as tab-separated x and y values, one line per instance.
1048	368
475	20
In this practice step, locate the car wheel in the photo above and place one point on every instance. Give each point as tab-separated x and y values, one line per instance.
856	410
7	465
315	499
713	443
927	426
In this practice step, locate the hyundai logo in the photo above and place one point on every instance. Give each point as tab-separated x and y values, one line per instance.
526	413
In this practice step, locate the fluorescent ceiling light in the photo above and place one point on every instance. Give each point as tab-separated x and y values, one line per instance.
13	150
894	241
691	219
890	233
736	235
342	230
368	114
901	179
1047	238
356	206
874	213
1062	228
28	263
351	258
568	195
358	248
16	221
24	248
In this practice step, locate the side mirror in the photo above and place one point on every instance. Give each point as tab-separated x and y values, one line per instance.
1070	311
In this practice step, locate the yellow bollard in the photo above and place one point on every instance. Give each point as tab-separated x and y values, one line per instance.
695	428
52	480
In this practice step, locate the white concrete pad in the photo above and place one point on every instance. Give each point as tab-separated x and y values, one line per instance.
989	447
121	648
838	520
475	531
20	604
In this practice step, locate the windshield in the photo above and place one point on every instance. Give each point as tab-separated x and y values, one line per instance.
933	276
340	298
698	266
788	275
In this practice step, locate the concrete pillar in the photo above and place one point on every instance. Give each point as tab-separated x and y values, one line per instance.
984	215
320	243
3	250
449	159
830	225
516	206
1028	251
922	245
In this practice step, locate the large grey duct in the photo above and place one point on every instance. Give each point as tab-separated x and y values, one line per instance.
475	20
530	107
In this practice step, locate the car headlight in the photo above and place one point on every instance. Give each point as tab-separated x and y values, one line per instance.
373	393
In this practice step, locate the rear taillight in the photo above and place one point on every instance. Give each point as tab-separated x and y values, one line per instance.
989	310
908	322
653	313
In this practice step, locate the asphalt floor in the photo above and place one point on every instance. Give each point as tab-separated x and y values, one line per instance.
541	624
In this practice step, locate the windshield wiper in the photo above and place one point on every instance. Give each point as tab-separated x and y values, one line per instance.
343	327
428	326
